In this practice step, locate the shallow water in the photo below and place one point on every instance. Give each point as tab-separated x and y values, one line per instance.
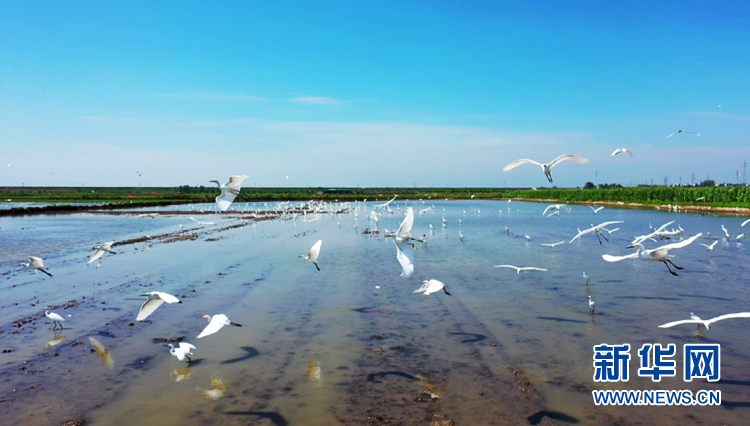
328	347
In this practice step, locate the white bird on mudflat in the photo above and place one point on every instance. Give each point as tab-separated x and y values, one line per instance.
528	238
54	317
155	299
432	286
726	233
229	191
313	254
711	247
215	323
660	254
739	237
683	131
620	150
460	236
182	352
555	207
519	270
694	319
547	168
591	305
597	230
36	264
553	244
596	210
407	268
100	250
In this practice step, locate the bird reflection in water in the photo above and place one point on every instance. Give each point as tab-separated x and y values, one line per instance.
218	388
429	388
103	353
315	374
180	374
56	340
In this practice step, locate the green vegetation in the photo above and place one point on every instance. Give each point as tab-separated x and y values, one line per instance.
718	196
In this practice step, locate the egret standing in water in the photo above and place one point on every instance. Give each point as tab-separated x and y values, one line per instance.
155	299
592	307
312	255
215	323
182	352
547	168
229	191
54	317
586	277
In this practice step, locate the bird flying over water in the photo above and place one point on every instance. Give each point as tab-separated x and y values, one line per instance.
547	168
229	191
100	250
407	268
312	255
617	151
660	254
683	131
597	210
182	351
597	230
155	299
694	319
553	244
711	247
36	264
519	270
215	323
432	286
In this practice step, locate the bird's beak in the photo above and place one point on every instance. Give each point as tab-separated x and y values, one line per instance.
633	246
235	324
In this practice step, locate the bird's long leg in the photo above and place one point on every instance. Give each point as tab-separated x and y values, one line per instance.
670	261
189	360
603	236
670	269
600	240
549	178
316	265
446	292
46	272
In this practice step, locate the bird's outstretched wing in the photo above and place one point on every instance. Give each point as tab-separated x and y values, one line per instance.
36	261
215	325
149	307
235	182
581	233
605	224
225	200
185	346
404	231
680	322
565	157
610	258
407	268
745	222
508	266
166	297
680	244
531	268
191	218
517	163
315	250
552	245
99	253
728	316
671	134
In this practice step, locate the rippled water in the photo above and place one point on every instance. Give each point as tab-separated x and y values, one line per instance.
328	347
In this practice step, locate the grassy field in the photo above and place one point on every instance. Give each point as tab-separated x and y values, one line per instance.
707	196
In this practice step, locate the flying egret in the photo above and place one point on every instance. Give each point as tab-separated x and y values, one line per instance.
660	254
596	210
229	191
407	268
741	236
215	323
745	222
54	317
201	223
312	255
597	230
555	207
586	277
683	131
155	299
553	244
711	247
100	250
555	213
620	150
403	235
182	352
726	233
694	319
547	168
591	305
385	204
36	263
699	198
519	270
432	286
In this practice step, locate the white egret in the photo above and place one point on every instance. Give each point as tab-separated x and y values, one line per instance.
596	210
407	268
745	222
555	213
229	191
683	131
312	255
711	247
597	230
620	150
36	264
741	236
201	223
699	198
385	204
694	319
54	317
591	305
460	236
101	249
555	207
553	244
519	270
403	235
586	277
547	168
155	299
432	286
726	233
215	323
182	352
660	254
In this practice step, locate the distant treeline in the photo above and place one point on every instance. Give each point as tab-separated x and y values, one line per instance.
719	196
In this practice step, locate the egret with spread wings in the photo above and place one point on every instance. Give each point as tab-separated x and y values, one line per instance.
547	168
229	191
660	254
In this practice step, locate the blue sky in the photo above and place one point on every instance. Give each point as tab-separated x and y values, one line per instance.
371	94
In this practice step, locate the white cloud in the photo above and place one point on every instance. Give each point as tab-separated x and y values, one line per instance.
315	100
210	96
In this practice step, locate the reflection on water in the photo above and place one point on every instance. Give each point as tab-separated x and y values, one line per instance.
386	355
